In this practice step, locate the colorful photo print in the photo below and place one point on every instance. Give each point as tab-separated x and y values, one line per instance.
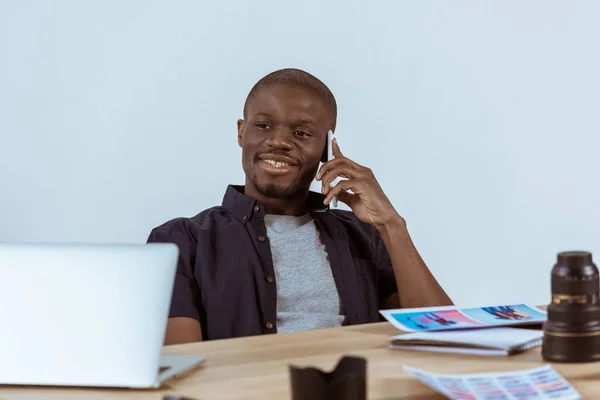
433	320
503	315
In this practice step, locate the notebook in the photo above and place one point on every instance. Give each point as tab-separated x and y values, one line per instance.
487	341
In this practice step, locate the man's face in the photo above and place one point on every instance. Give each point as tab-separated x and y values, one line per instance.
282	140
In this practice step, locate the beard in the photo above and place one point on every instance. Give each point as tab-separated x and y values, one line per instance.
276	191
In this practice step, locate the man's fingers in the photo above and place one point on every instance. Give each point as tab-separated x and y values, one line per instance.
337	153
343	162
338	172
328	166
337	189
345	197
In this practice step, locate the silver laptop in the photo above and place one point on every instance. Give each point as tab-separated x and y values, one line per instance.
87	315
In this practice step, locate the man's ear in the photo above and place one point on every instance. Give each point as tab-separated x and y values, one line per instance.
240	128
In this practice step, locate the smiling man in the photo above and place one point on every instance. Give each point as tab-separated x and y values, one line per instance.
274	257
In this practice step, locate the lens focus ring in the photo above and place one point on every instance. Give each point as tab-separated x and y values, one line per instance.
574	286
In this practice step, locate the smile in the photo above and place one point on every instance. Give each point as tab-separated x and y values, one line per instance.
277	164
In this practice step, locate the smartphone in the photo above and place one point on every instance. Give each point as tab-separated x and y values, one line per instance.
329	150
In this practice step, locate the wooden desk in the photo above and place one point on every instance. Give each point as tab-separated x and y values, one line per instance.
257	367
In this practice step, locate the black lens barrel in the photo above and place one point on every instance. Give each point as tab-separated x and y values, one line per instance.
572	329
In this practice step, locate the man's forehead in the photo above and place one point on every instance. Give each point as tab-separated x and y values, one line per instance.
277	99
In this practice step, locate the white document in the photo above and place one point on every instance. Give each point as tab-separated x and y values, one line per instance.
488	341
542	383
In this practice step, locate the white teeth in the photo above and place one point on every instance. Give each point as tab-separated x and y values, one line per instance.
277	164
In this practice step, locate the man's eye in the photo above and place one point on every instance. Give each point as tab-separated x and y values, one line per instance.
300	133
262	126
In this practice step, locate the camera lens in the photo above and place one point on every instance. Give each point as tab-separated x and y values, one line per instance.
572	329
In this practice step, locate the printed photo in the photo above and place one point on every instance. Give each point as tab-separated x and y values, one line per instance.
503	315
434	320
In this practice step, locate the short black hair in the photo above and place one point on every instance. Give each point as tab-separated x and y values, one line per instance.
300	78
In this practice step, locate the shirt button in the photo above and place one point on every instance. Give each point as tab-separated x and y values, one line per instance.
270	279
262	238
256	208
269	325
245	218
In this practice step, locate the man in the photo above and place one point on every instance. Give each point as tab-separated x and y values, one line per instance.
273	257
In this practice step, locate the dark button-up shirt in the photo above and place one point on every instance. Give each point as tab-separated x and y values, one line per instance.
225	277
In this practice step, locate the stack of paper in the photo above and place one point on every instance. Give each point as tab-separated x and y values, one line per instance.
491	330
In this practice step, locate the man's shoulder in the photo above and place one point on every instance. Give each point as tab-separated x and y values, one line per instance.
206	219
351	221
357	230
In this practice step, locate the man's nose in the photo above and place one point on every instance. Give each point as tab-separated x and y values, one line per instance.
282	138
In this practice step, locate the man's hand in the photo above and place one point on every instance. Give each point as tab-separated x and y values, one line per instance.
367	200
417	286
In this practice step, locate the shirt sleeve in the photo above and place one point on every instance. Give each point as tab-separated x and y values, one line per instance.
386	283
186	291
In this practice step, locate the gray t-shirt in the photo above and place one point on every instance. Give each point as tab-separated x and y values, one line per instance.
307	297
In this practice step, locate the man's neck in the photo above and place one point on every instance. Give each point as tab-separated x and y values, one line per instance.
295	206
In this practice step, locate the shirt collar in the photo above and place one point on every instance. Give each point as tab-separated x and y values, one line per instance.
243	207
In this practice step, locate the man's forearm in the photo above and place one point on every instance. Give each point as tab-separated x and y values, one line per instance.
417	287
